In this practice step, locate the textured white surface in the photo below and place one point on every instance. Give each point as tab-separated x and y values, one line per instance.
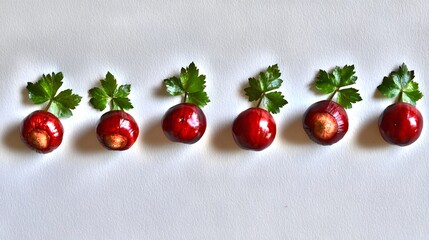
359	188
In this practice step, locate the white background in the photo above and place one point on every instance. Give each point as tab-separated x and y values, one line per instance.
359	188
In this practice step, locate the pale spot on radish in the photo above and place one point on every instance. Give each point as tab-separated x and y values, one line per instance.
39	139
115	141
325	126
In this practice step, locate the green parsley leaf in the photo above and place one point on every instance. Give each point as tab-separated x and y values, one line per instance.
335	81
59	109
260	89
254	91
190	84
121	103
348	96
99	98
123	91
110	93
45	90
325	82
198	98
389	88
109	84
346	75
400	83
174	86
67	99
274	101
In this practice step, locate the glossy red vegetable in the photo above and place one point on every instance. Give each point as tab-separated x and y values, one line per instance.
117	130
254	129
401	124
325	122
42	131
184	122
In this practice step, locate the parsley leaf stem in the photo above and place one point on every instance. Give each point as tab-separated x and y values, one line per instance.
333	94
400	98
112	104
260	100
48	106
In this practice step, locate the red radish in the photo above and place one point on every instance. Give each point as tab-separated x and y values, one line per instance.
116	129
186	122
326	122
401	123
255	128
42	130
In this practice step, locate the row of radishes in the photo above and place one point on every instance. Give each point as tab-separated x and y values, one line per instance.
325	122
